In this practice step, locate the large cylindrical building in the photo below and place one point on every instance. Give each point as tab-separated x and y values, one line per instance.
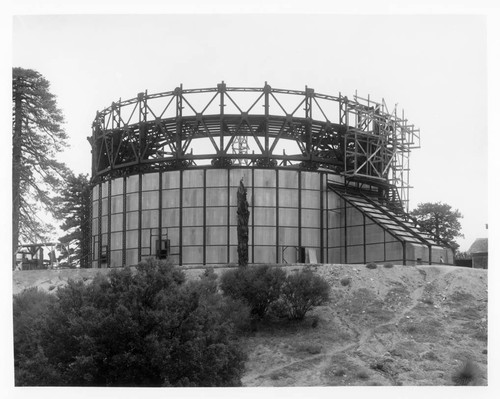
327	179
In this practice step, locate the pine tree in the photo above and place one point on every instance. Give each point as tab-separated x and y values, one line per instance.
73	206
37	136
440	220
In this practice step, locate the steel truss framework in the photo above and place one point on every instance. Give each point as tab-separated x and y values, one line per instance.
359	138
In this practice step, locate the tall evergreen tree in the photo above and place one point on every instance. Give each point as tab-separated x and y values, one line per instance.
73	206
37	136
440	220
242	229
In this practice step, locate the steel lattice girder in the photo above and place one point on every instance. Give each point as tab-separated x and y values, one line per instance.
358	138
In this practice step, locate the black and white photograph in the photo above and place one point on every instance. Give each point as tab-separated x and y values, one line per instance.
252	198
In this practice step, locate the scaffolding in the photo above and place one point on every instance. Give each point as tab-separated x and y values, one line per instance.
358	138
377	146
240	147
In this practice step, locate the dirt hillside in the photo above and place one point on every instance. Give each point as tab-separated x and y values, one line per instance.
402	325
385	326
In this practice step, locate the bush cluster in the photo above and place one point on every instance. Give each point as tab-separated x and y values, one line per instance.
302	291
345	281
266	288
258	286
467	374
371	265
142	328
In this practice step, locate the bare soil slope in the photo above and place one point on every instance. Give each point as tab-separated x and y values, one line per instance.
385	326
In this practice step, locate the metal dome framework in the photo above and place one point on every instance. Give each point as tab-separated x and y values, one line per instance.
357	138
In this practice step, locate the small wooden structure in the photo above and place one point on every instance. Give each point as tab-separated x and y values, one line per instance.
479	253
31	256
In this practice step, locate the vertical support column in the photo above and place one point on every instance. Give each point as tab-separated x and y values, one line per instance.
178	126
327	213
253	215
124	228
364	238
150	240
299	174
321	215
343	119
204	216
109	223
115	124
139	221
142	145
228	215
309	93
277	216
345	231
267	90
344	123
181	185
141	101
357	149
160	210
99	227
221	88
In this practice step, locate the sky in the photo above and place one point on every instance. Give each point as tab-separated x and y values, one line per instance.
434	67
429	56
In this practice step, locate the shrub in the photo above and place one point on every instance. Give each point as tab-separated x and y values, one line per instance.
345	281
481	335
467	374
363	375
302	291
257	286
237	313
339	373
207	283
147	328
209	274
278	308
371	265
388	265
30	310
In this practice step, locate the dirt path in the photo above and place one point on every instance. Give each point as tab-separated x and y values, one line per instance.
389	352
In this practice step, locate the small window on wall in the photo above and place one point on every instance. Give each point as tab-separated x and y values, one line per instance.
162	249
302	255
